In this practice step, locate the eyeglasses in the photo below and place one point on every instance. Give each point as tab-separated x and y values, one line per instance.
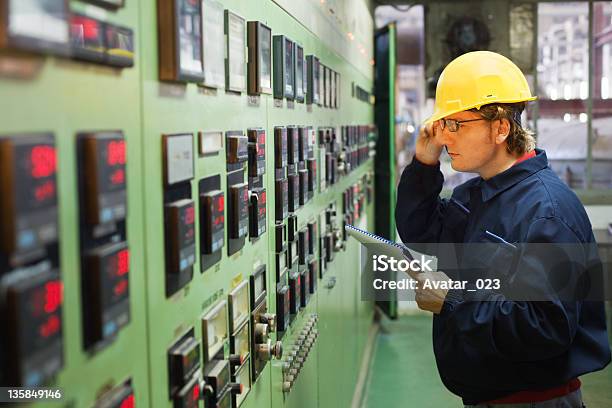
454	125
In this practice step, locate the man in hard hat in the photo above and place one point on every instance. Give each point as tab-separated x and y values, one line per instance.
492	349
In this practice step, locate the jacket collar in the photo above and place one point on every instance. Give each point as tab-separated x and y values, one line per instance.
515	174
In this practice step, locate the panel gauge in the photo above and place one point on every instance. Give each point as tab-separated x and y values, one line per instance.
312	92
214	330
28	194
300	86
235	70
260	58
284	67
212	204
180	40
213	44
180	235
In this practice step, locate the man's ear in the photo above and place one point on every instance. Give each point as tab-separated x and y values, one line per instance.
503	130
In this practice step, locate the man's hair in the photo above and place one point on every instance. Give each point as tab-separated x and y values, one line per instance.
520	140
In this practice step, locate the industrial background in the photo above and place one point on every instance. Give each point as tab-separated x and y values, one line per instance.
175	177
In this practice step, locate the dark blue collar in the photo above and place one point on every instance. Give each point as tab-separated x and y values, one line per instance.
515	174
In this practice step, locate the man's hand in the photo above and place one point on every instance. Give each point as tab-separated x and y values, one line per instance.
430	299
428	146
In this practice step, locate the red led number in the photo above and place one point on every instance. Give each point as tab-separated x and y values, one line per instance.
43	161
123	262
115	153
196	393
121	287
50	326
53	295
220	204
118	177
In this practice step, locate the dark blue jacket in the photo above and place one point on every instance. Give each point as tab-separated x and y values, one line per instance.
489	349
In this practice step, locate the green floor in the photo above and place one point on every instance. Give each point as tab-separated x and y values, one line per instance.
403	373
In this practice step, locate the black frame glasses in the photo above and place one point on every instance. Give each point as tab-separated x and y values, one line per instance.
454	125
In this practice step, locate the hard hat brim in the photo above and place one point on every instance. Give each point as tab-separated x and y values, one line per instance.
440	115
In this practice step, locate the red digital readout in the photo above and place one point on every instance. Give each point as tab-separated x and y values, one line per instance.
195	395
262	197
45	191
121	287
54	294
123	262
118	177
115	153
245	195
128	402
50	327
43	161
189	215
87	27
220	204
261	140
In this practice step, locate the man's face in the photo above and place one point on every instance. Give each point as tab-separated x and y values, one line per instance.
473	146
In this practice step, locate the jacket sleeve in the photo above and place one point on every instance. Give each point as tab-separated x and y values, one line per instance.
419	209
524	330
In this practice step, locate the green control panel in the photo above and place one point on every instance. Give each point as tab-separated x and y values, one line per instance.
175	178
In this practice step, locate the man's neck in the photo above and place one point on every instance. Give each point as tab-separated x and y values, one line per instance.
500	163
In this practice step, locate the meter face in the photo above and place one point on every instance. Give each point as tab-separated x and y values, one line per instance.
42	21
104	161
265	58
214	329
178	159
213	44
236	52
189	16
299	73
239	302
289	68
28	192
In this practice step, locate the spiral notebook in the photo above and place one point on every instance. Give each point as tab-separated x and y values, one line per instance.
386	247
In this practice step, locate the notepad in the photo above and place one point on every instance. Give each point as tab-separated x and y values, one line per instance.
387	247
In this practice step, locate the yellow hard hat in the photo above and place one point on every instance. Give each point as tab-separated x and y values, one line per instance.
478	78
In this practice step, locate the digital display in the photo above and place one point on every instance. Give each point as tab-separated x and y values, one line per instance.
237	148
213	44
289	69
239	305
239	210
180	230
103	164
37	25
86	38
258	212
236	52
257	152
33	310
299	73
189	18
184	360
282	199
280	147
121	397
28	192
213	206
178	158
106	295
119	46
214	330
293	192
332	88
293	139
